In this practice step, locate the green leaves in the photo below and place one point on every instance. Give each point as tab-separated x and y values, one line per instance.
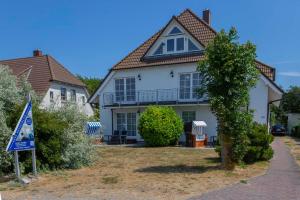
160	126
229	72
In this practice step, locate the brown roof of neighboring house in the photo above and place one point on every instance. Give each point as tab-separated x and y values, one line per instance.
41	70
196	27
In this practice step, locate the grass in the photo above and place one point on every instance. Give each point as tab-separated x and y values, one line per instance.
141	173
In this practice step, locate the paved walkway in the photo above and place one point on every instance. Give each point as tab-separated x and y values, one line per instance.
281	182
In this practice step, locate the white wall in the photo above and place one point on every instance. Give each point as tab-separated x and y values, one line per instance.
293	120
159	78
259	102
80	92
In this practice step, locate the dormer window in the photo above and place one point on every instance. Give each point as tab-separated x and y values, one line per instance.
192	46
175	31
175	42
160	49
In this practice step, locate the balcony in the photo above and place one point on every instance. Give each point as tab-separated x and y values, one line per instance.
151	97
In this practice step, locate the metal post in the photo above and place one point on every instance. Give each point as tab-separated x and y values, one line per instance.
17	167
34	171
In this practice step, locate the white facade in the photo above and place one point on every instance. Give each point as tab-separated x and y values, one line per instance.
167	78
293	120
53	98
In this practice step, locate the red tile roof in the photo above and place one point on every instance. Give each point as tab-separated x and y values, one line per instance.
43	70
196	27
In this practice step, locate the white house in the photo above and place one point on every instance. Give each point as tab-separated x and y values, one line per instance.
162	71
52	81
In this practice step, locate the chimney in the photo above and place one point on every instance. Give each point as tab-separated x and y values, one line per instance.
206	16
37	53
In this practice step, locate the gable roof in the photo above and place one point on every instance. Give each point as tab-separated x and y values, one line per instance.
197	28
41	70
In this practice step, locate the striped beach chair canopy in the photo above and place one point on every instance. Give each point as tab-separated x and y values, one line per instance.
93	128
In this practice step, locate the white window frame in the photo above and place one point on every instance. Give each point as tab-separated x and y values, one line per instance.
126	122
125	89
51	96
73	95
191	86
66	94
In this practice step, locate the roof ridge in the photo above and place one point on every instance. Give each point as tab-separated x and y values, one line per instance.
199	19
50	68
131	52
265	64
22	58
60	65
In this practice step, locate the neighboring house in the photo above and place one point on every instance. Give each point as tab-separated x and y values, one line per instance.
162	71
293	120
52	81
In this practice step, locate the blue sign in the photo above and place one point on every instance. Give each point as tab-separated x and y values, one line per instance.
23	135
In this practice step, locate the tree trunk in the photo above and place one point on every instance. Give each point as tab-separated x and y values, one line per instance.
226	152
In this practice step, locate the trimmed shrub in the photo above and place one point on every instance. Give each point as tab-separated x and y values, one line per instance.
160	126
259	148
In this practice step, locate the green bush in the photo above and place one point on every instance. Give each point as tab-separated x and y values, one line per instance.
59	137
259	148
160	126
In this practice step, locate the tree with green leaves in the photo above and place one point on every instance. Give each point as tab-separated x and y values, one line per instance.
291	100
229	72
92	83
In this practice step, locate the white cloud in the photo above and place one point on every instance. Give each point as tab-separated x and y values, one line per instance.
291	74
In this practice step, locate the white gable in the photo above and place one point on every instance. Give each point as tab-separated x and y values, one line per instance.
174	40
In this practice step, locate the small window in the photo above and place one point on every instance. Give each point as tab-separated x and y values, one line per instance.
63	94
73	95
83	99
188	116
192	46
51	96
174	31
179	44
170	45
159	50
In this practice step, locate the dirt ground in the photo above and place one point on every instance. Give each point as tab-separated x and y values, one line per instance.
136	173
294	145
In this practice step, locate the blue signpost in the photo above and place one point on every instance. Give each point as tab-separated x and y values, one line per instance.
22	138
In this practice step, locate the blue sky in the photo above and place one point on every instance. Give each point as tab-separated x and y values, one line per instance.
89	37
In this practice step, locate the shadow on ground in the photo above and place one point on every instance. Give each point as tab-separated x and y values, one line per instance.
178	169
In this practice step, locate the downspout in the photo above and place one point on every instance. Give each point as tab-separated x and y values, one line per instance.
112	121
269	113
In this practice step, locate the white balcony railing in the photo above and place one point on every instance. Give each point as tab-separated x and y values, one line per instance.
142	97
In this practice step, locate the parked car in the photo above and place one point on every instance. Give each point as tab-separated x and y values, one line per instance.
278	130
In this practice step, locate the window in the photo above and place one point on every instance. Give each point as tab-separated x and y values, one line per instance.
120	89
63	94
121	121
180	44
131	124
73	95
188	116
196	84
185	86
130	89
127	121
189	83
192	46
159	50
125	86
83	99
51	96
175	31
170	45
